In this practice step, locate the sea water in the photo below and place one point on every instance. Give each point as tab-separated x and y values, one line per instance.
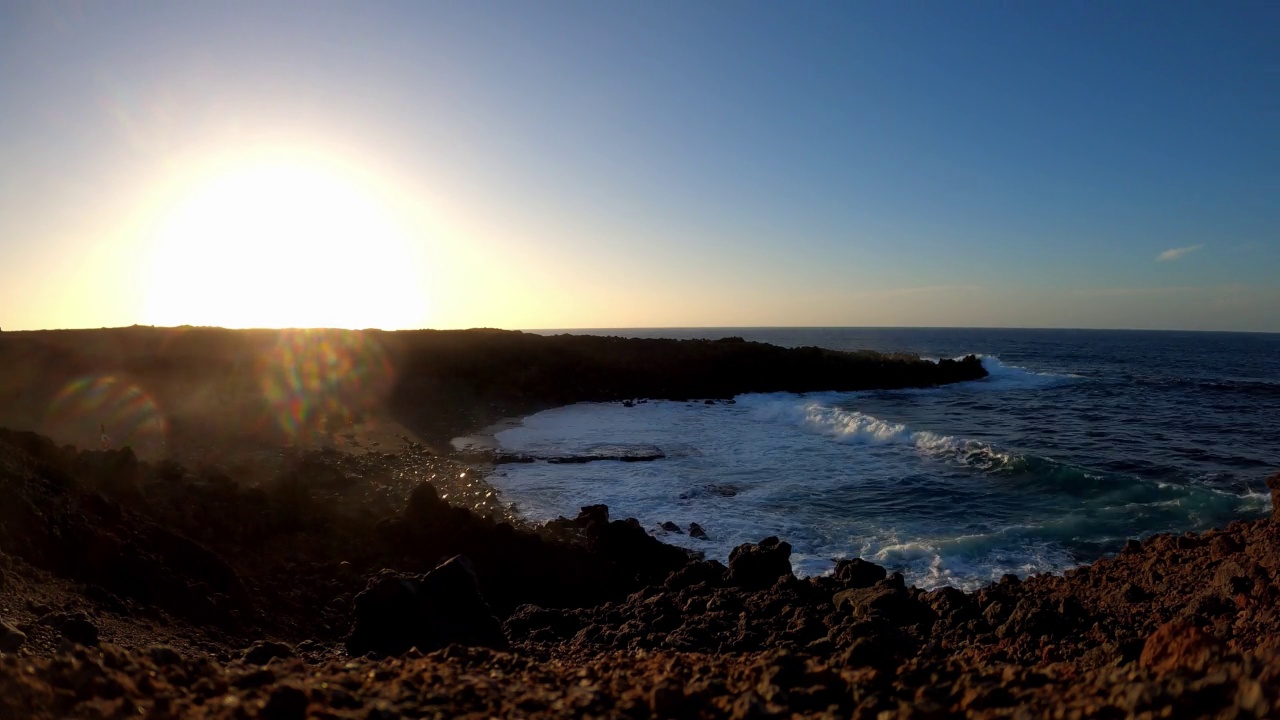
1077	441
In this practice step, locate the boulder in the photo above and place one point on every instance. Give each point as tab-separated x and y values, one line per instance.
672	527
425	505
1273	484
80	630
696	531
951	604
163	656
1034	619
530	622
878	601
264	651
593	514
630	551
710	572
11	638
75	627
1179	646
756	567
858	573
397	612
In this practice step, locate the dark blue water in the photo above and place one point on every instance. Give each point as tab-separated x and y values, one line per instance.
1078	441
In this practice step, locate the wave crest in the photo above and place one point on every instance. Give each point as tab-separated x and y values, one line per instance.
1012	377
851	426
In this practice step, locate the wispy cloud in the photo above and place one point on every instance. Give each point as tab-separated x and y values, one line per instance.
1175	253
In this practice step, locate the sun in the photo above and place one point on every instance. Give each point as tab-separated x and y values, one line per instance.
284	242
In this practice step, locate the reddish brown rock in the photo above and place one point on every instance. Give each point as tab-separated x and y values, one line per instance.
1179	646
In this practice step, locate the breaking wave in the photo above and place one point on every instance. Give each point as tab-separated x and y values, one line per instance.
851	426
1022	472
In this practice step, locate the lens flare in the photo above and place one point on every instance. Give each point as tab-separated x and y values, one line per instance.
319	380
104	410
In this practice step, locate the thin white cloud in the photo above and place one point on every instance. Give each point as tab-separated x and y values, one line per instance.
1175	253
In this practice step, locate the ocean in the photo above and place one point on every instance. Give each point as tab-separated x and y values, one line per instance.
1078	441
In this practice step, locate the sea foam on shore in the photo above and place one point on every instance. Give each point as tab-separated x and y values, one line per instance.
836	477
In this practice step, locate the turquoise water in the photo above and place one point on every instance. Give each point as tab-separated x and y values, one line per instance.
1078	441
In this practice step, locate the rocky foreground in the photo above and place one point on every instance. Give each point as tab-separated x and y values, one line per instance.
389	585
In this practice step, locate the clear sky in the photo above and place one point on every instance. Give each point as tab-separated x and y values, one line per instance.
627	164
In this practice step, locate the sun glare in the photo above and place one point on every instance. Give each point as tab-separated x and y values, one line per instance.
283	244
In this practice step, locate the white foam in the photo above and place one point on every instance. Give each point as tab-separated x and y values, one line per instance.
772	464
772	452
967	561
851	426
1012	377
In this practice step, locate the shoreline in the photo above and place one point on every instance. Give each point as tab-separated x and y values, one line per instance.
486	455
386	580
485	439
600	596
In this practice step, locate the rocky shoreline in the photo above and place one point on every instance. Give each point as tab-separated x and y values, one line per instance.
203	392
375	581
361	586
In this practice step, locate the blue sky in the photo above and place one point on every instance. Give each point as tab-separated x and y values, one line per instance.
623	164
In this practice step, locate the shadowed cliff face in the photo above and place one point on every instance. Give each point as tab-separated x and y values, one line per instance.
157	389
491	374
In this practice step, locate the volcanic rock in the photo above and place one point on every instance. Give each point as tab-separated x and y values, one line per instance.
756	567
592	514
11	638
858	573
163	656
696	531
950	604
425	505
1273	484
880	601
530	622
1179	646
672	527
396	612
75	627
264	651
625	546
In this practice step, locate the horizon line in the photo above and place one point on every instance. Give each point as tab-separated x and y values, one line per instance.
657	328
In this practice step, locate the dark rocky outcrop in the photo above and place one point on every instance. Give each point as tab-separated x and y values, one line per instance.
501	374
75	627
264	651
858	573
637	455
755	567
438	383
605	560
77	517
396	612
11	638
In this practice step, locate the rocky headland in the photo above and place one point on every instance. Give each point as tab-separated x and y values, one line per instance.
338	581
